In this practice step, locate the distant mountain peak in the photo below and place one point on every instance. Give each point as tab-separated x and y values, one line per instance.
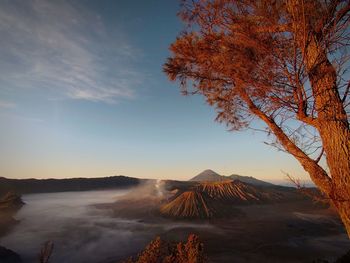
211	176
207	175
208	171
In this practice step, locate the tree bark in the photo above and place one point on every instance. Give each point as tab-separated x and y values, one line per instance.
331	121
333	126
343	209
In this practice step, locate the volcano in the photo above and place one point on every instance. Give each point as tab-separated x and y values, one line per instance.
190	204
208	175
215	199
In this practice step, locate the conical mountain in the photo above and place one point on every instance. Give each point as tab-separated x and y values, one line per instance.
207	175
190	204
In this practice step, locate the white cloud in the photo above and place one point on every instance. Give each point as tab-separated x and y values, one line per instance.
7	105
64	49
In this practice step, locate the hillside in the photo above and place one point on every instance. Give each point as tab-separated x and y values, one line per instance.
25	186
249	180
232	191
216	199
211	176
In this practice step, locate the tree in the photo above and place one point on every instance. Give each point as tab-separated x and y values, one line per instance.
283	62
46	252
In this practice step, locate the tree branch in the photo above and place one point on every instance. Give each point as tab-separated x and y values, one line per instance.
317	173
340	15
346	92
320	156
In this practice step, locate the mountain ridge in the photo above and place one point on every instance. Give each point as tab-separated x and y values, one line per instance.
26	186
211	176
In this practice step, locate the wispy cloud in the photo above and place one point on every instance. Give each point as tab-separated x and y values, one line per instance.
7	104
64	49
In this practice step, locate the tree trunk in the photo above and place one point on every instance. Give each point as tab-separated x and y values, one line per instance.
333	126
332	121
335	137
343	209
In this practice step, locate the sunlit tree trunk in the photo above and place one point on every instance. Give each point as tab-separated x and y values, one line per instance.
335	137
332	120
333	127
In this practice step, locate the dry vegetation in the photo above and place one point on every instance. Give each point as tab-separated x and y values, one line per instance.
160	251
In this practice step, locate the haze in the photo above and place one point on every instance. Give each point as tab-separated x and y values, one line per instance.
80	231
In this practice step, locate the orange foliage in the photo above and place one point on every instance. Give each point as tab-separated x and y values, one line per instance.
159	251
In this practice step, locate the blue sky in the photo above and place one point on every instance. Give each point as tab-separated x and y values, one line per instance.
82	94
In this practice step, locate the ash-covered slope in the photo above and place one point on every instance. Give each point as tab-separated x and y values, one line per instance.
237	192
232	191
189	204
215	199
